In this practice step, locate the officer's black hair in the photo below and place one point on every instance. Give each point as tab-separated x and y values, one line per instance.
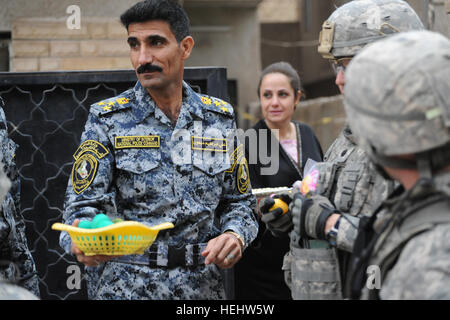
284	68
166	10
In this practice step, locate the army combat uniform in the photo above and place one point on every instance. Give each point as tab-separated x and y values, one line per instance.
134	164
351	182
348	181
409	247
397	97
16	262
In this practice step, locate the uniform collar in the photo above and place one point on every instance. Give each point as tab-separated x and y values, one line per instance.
145	105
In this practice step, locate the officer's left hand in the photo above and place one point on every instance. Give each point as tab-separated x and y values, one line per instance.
224	251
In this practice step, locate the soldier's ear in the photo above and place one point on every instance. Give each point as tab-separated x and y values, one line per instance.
186	45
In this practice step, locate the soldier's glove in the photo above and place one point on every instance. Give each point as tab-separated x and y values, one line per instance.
309	216
278	223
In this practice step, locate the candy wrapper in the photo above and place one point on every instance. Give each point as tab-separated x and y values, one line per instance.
310	177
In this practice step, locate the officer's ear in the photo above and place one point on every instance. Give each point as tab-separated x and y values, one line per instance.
186	45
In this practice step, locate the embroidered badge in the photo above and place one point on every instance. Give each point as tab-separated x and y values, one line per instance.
126	142
83	172
206	100
236	157
243	176
92	146
209	144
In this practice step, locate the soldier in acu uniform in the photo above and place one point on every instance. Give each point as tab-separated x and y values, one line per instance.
16	262
349	187
397	99
160	152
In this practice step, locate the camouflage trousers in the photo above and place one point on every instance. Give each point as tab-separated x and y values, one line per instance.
312	274
120	281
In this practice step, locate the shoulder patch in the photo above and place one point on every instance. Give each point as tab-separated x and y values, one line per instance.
217	105
115	104
92	146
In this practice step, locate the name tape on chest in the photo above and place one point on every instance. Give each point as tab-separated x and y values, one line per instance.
127	142
209	144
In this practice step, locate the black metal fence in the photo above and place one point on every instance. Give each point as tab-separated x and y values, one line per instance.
46	113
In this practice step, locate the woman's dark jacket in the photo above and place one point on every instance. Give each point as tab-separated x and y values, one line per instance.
258	275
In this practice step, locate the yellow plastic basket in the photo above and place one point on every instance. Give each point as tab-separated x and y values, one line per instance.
126	237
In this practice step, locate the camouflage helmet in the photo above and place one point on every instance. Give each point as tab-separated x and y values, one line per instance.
397	97
359	22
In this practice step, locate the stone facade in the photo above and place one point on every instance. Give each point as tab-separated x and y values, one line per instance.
44	44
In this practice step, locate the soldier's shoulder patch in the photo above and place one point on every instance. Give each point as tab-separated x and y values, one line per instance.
85	167
239	165
83	172
91	146
216	105
115	104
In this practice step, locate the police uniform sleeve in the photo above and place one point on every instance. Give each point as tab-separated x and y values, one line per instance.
89	188
13	242
237	207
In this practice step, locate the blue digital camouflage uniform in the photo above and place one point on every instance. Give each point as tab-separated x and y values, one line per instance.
16	262
134	164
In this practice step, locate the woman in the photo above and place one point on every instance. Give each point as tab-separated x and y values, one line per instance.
259	275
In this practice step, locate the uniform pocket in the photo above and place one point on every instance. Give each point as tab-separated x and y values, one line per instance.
136	176
315	274
208	172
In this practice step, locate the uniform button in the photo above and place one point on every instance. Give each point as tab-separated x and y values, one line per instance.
210	170
343	153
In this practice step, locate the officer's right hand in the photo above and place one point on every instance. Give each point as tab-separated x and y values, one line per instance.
278	223
88	261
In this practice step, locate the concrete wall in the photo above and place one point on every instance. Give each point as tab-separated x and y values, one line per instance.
228	37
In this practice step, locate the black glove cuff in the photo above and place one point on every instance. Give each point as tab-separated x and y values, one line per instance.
322	220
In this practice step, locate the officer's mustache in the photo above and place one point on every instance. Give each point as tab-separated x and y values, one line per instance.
148	67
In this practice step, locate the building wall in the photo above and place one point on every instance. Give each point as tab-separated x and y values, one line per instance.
228	37
46	44
226	34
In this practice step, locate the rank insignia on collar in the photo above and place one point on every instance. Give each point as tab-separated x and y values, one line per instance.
83	172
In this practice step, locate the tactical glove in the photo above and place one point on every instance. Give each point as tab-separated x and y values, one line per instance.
309	216
278	223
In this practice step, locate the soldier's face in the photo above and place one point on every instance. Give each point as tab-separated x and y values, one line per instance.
156	55
277	98
339	67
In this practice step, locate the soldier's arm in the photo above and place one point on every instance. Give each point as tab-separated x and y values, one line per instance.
236	211
89	189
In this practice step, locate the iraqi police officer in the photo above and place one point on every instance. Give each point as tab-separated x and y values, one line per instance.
160	152
349	186
16	262
397	99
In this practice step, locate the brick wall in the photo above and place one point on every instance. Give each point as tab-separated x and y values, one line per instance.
41	44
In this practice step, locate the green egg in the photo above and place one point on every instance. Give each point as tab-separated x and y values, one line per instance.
85	224
101	220
103	223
